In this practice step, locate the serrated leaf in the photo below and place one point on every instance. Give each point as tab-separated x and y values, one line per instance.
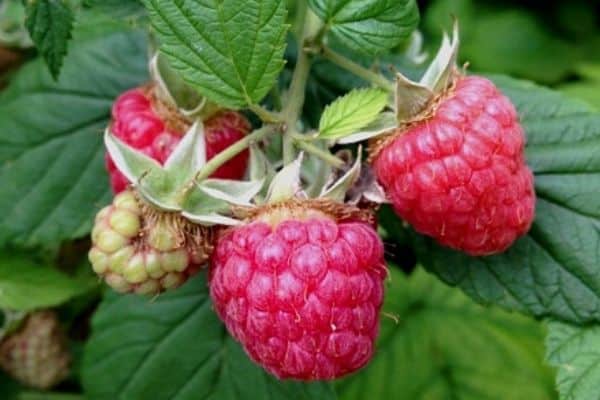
26	285
133	339
231	51
553	270
574	351
385	122
50	23
352	112
52	174
368	26
445	346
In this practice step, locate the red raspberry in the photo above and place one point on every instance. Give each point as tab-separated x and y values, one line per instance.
460	175
137	123
301	292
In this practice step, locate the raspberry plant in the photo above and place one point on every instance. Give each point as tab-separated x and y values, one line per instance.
290	200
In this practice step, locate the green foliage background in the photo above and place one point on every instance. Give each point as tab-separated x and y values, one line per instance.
521	325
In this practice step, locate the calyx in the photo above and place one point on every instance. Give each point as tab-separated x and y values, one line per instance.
173	187
286	197
412	99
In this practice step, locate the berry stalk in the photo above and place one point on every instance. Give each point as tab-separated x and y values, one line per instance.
295	98
357	69
214	163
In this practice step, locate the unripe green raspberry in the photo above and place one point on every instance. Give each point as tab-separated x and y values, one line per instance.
139	249
125	222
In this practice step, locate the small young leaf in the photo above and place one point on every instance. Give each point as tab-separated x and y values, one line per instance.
574	351
368	26
385	122
50	23
352	112
231	51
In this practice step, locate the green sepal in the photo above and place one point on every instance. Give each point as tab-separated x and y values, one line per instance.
411	97
286	184
172	89
210	200
338	189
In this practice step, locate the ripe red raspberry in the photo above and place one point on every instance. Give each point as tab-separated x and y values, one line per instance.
301	292
37	354
460	175
137	123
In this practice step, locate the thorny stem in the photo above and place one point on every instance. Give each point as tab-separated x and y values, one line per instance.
322	154
357	69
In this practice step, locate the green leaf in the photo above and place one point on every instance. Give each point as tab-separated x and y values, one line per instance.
368	26
574	351
174	347
553	270
117	8
26	285
445	346
50	23
52	175
351	112
231	51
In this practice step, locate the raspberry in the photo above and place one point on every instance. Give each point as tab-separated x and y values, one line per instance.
137	249
301	292
460	175
37	354
137	123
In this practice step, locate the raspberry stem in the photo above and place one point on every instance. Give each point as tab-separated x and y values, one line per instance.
357	69
322	154
293	108
214	163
